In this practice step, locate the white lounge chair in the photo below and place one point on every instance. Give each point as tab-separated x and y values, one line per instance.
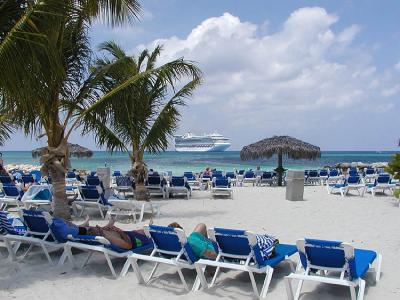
170	248
91	198
178	186
238	250
221	187
382	183
12	196
329	258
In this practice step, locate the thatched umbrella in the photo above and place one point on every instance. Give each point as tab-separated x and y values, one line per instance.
74	150
280	145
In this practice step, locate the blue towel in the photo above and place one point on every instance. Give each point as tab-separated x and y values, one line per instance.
267	244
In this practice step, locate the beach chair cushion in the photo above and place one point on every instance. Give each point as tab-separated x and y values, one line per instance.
330	254
166	239
61	229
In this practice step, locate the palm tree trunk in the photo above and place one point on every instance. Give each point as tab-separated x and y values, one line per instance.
56	169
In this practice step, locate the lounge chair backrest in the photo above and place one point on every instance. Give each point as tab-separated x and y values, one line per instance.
230	175
313	173
37	175
333	173
154	180
170	241
353	173
383	179
36	223
353	179
239	244
90	193
217	174
117	173
93	180
188	175
28	179
306	173
93	173
369	171
123	181
241	172
323	172
6	225
221	182
177	181
267	175
5	179
331	255
249	174
71	175
11	191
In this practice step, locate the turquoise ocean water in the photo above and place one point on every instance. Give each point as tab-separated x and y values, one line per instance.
178	162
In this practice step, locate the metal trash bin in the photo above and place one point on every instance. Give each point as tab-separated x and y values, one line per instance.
295	185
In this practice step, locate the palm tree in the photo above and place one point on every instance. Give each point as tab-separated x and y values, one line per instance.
144	115
45	83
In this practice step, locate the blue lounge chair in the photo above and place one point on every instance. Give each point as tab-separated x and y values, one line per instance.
94	181
124	185
178	185
10	225
117	173
382	182
238	250
313	177
12	196
5	179
37	234
154	186
266	178
37	195
170	248
92	244
192	180
91	198
332	256
232	176
27	179
355	183
334	176
221	187
323	176
249	177
37	175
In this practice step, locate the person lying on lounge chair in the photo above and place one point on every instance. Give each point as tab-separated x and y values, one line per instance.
118	237
203	247
199	241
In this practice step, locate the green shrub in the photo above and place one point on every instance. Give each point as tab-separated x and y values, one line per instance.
397	193
394	166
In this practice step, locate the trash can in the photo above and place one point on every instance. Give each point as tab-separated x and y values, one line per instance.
294	185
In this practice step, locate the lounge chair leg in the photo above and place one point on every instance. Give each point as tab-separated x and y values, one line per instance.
46	253
289	291
254	284
110	265
11	252
201	277
353	293
63	258
267	281
137	271
183	280
152	273
68	252
378	268
215	276
361	289
87	259
125	268
26	253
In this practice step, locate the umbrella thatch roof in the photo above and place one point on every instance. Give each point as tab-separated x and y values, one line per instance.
284	145
73	149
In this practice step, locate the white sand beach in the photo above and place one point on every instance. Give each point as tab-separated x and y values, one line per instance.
367	222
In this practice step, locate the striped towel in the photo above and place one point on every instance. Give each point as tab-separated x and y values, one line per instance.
267	244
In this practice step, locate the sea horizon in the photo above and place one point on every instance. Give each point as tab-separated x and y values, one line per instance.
179	162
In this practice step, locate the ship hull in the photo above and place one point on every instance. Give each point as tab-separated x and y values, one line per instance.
215	148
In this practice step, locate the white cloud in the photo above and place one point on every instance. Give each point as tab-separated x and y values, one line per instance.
397	66
276	82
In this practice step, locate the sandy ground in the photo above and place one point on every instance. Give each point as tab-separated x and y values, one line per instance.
368	222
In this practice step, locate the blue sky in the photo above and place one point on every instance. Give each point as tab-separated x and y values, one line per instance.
326	72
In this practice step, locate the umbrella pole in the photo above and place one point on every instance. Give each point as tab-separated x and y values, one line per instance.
280	169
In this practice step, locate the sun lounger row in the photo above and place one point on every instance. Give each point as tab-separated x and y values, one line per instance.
318	260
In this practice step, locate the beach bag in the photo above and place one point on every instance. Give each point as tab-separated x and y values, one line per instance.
267	244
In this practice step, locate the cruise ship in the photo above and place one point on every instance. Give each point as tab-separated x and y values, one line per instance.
189	142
